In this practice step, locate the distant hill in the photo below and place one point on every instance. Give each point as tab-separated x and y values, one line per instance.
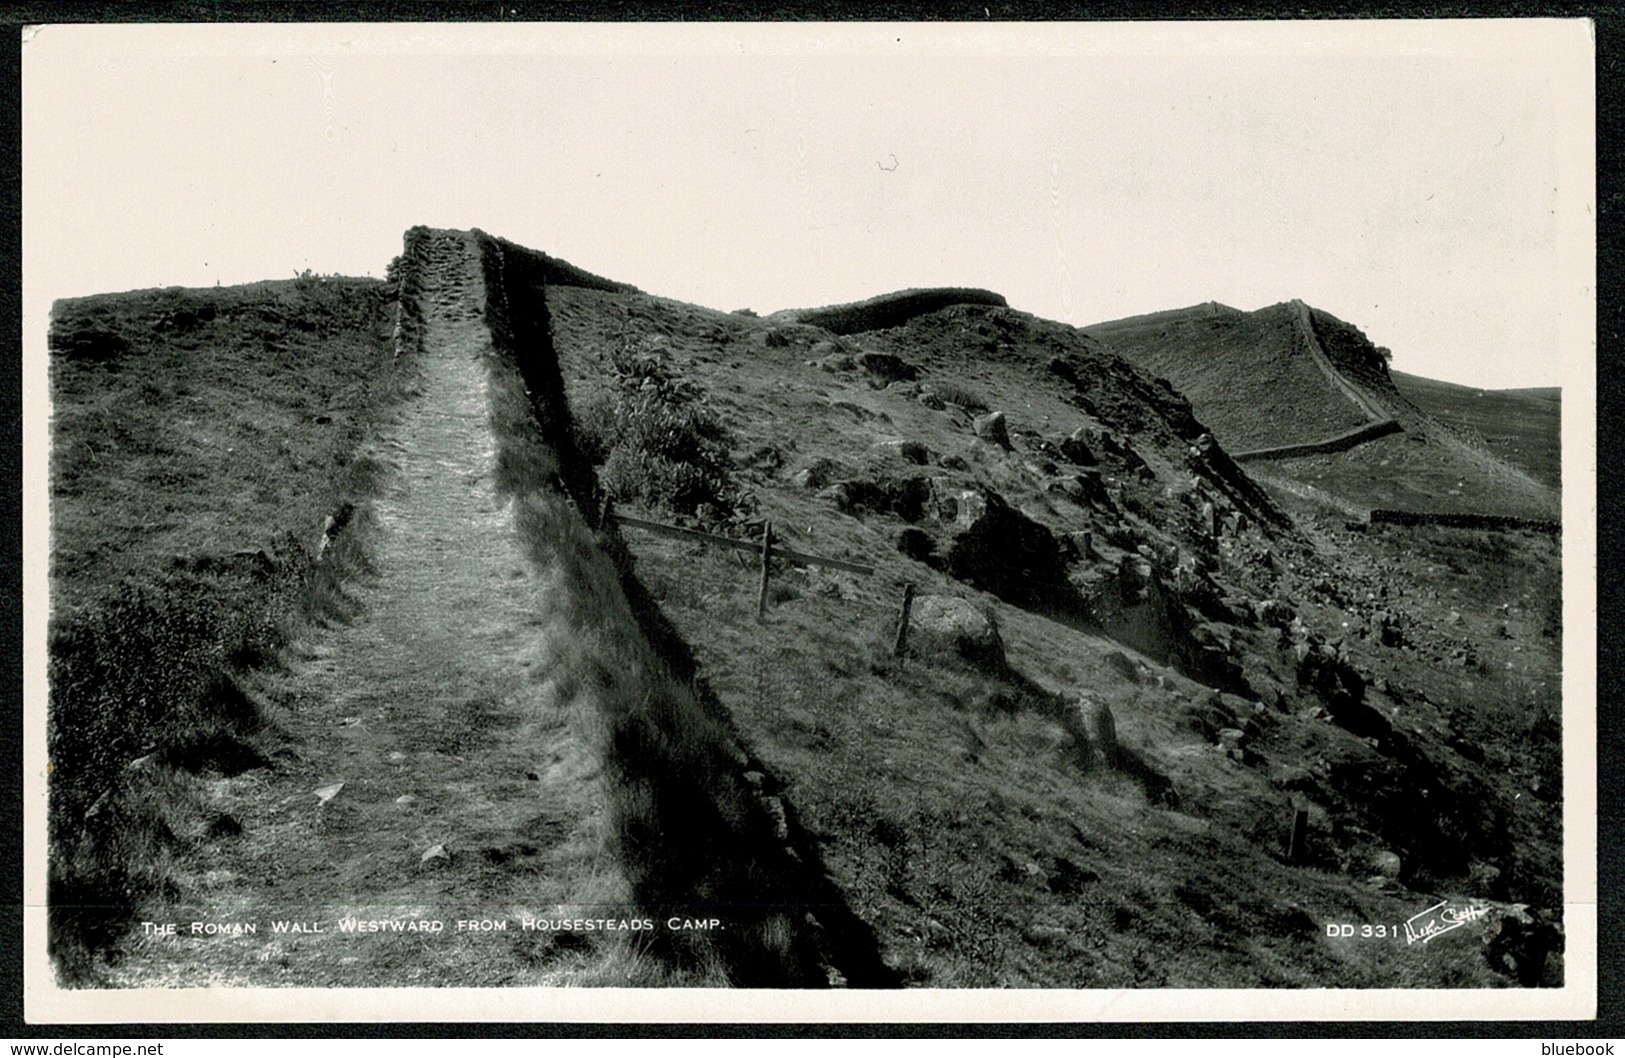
1270	382
1222	359
1519	425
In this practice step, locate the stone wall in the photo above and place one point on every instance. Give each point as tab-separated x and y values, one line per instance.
1463	521
409	295
1340	443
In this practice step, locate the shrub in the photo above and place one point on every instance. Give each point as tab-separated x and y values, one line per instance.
654	441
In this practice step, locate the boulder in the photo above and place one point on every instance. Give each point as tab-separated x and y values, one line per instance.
905	497
816	475
1092	489
1001	551
1124	454
1123	665
908	451
1076	447
958	626
916	544
993	428
833	363
1385	863
1322	669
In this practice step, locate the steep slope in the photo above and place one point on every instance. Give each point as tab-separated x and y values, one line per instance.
206	448
1310	394
1125	665
1223	359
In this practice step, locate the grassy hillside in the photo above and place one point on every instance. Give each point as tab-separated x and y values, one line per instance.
970	804
1521	426
1229	364
208	493
1251	376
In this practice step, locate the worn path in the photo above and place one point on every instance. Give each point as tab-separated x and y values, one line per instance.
468	792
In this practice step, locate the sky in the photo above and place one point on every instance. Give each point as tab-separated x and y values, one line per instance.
1431	183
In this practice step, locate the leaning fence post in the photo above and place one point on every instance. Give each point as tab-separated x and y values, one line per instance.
606	511
900	644
1300	823
767	561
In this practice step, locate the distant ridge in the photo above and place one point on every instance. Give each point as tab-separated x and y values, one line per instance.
1312	395
1224	360
889	310
1166	316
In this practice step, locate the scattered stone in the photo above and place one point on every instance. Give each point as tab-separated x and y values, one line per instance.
434	852
992	427
406	799
1076	447
1386	863
957	625
887	367
325	794
1122	664
917	544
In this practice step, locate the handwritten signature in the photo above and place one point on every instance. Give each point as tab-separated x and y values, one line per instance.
1440	919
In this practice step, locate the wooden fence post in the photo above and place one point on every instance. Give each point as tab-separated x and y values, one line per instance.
767	563
900	644
1300	826
606	512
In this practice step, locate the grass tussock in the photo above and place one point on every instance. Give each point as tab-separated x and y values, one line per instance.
951	392
209	498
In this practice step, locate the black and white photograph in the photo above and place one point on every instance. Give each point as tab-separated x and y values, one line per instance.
809	521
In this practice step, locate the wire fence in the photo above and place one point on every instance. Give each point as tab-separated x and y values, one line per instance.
767	549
